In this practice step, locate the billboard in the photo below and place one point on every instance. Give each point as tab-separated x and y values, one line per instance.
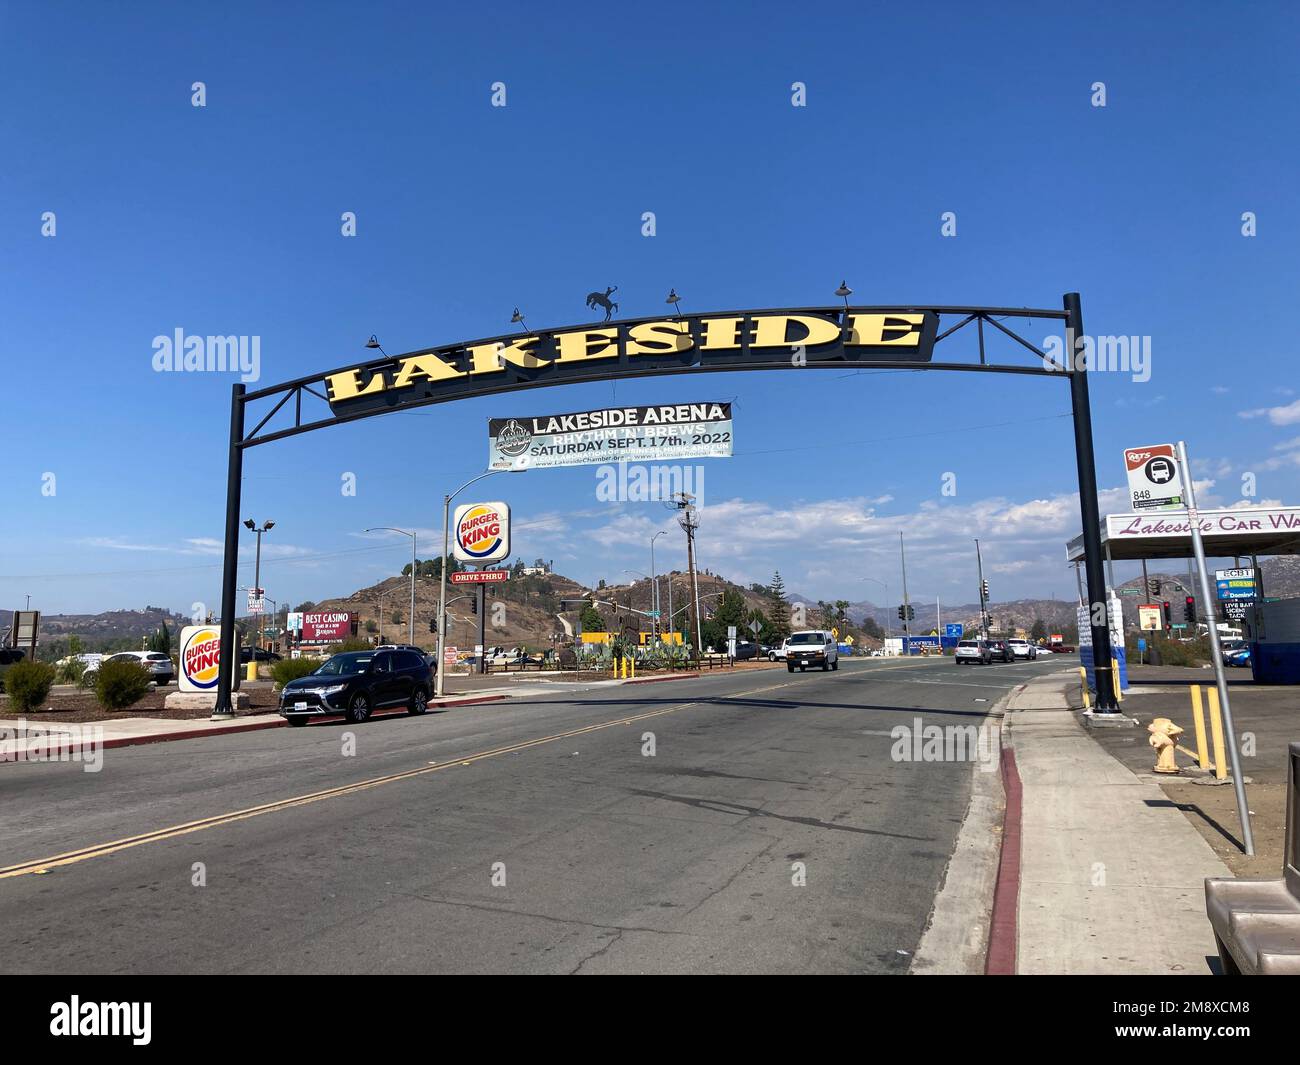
328	627
618	434
1236	584
482	533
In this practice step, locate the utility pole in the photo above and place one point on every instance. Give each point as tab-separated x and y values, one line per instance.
906	604
984	614
685	502
251	525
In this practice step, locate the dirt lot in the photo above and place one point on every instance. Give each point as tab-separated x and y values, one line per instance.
80	706
1267	719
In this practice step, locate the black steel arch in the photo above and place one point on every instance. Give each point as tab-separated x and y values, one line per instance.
937	324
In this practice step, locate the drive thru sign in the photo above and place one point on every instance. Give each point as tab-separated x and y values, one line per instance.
1155	481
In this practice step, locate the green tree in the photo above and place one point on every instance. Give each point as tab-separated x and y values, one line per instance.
778	617
871	627
590	618
731	611
1039	631
842	615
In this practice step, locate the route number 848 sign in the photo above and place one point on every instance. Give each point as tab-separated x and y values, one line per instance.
1155	481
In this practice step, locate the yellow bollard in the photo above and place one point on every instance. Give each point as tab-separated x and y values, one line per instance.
1114	678
633	667
251	673
1216	731
1198	718
1083	684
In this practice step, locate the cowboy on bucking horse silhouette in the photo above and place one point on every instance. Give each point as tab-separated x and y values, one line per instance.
597	299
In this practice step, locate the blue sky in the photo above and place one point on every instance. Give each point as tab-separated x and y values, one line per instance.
225	219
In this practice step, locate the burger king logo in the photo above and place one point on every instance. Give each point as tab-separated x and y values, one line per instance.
482	532
200	651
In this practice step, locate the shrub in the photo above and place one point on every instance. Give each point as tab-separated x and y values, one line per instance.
288	669
28	683
350	645
121	684
71	671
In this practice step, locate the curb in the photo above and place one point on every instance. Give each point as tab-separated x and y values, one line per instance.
226	730
1000	959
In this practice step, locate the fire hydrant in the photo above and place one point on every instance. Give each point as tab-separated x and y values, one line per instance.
1164	738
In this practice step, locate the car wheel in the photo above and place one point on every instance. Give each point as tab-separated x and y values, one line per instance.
419	702
358	709
835	664
298	720
789	669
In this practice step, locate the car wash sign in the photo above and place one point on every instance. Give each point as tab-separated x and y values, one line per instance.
482	533
1155	481
619	434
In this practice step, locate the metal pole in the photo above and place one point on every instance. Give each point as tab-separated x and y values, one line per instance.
979	569
906	631
482	627
1216	653
1076	370
230	566
257	586
410	621
442	601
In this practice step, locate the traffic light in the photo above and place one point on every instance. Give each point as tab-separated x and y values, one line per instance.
473	604
433	626
1153	586
1189	610
911	613
984	589
901	616
1169	617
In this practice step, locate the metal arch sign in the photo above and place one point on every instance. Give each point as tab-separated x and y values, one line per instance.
738	340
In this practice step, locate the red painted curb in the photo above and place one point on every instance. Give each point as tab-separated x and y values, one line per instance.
1001	957
225	730
656	680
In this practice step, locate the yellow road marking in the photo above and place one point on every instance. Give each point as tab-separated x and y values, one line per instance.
43	865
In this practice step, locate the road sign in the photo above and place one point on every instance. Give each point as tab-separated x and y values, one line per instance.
1149	616
1155	481
1235	609
256	604
479	576
754	626
449	656
652	613
954	630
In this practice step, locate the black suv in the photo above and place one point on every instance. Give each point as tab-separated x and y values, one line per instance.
357	683
1001	651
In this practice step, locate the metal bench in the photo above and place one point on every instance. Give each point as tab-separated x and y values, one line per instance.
1257	922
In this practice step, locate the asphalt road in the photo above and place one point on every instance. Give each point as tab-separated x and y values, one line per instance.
531	835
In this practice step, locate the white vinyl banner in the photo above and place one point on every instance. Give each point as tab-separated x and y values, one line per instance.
619	434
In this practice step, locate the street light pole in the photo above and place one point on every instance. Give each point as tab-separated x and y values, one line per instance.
251	525
410	621
906	631
979	566
654	582
442	592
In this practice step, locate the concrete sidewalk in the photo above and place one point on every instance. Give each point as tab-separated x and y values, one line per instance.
1111	874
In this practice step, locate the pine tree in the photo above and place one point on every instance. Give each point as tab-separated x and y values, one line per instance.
778	619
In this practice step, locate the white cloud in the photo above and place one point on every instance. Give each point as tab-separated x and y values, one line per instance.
1288	414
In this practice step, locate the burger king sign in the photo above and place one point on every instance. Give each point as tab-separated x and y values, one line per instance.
200	648
482	533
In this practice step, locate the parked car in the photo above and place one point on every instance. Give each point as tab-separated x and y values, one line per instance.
811	647
357	683
745	650
8	656
161	670
972	652
1023	649
778	653
1001	651
262	654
